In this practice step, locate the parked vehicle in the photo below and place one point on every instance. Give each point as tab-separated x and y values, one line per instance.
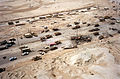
28	35
3	42
3	47
53	48
43	39
25	53
49	36
52	44
10	23
22	47
95	29
12	58
58	42
76	27
42	17
12	39
57	33
4	57
25	50
2	70
37	58
55	29
76	23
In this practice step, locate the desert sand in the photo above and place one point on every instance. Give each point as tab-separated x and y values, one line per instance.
95	59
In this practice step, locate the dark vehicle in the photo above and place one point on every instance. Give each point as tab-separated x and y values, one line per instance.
58	42
43	39
3	47
42	17
101	37
12	39
17	22
11	42
118	31
96	25
2	70
37	58
55	29
4	57
112	23
85	38
57	33
10	23
92	30
45	50
96	33
46	30
82	38
8	45
69	25
53	48
76	23
25	50
76	27
107	17
3	42
49	36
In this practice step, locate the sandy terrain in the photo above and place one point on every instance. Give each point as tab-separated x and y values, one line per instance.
13	10
98	59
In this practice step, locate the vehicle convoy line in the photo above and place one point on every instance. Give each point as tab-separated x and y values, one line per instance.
88	5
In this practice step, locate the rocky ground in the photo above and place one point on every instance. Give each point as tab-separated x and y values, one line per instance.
96	59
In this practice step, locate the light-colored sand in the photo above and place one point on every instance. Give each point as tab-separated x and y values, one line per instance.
95	60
